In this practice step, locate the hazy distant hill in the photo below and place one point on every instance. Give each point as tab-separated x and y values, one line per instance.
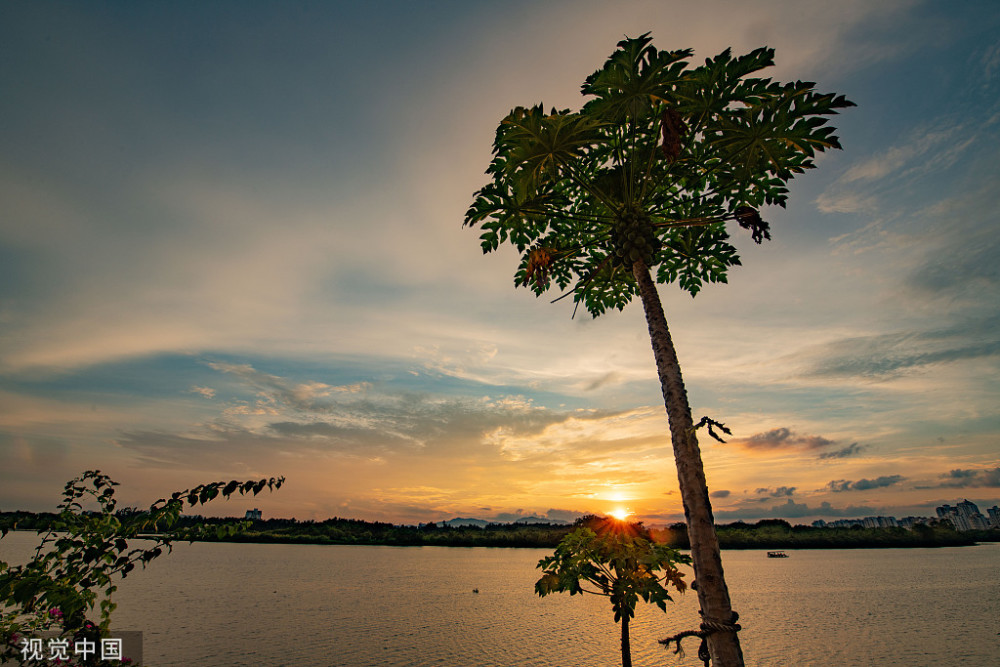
459	522
538	519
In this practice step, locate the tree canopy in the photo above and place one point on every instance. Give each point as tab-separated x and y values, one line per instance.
652	167
621	564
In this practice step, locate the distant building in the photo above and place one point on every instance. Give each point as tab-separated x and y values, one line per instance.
253	515
879	522
971	512
966	516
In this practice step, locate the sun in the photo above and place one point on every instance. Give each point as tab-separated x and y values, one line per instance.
620	513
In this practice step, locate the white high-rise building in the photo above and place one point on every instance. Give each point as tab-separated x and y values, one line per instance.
879	522
964	517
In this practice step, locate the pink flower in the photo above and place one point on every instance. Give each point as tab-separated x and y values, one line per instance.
55	612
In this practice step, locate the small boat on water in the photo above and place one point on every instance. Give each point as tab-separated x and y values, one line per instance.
777	554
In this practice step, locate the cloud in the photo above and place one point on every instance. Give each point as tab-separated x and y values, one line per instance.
268	413
273	422
273	390
887	356
840	485
360	413
929	149
969	262
721	493
604	380
910	155
783	438
991	61
877	483
339	435
793	510
223	452
204	391
845	202
779	492
962	478
851	450
600	433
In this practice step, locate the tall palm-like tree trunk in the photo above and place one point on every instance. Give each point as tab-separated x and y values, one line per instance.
626	645
713	594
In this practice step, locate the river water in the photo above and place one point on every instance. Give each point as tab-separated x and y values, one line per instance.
273	604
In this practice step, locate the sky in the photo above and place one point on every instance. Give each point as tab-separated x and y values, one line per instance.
231	247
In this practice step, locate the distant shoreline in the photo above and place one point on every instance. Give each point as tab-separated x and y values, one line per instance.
769	534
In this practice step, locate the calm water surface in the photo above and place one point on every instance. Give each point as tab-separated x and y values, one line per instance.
257	604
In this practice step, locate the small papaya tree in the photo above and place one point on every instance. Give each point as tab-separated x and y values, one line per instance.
619	562
75	566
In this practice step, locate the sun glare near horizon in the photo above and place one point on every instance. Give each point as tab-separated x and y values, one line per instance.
620	513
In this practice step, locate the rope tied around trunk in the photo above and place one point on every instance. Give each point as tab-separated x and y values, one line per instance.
708	627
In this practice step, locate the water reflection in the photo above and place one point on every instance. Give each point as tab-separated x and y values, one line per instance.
229	604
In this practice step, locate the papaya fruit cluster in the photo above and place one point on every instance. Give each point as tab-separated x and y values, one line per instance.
633	239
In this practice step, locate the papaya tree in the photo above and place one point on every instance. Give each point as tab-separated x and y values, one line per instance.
83	553
618	562
639	187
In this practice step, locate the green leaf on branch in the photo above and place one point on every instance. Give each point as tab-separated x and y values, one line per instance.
81	551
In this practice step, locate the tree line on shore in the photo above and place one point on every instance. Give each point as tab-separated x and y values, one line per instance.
764	534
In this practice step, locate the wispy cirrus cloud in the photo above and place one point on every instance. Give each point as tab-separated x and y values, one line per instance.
932	148
891	355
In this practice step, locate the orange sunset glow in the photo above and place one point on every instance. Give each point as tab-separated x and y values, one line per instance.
249	271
